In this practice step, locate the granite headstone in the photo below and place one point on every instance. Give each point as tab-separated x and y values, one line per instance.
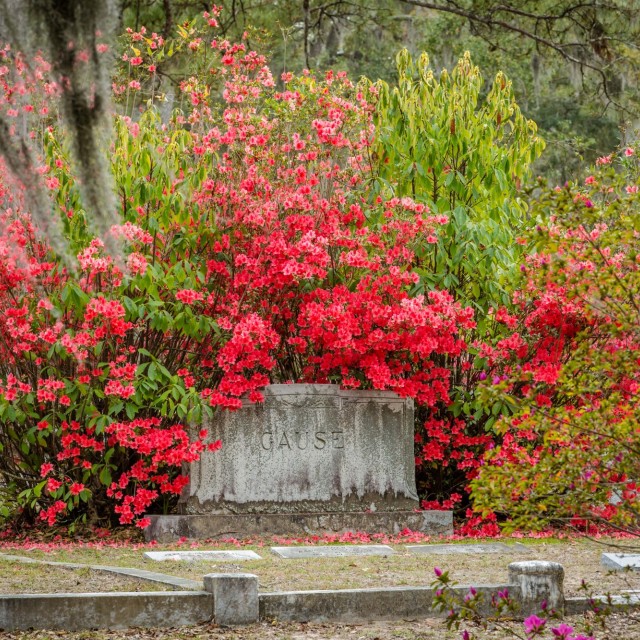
308	448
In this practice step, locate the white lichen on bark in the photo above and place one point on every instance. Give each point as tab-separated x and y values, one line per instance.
68	34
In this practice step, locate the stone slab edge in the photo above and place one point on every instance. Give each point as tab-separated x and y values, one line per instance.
333	551
190	556
580	605
170	528
151	576
361	605
619	561
471	548
81	611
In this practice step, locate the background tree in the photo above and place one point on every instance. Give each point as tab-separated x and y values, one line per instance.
73	36
574	64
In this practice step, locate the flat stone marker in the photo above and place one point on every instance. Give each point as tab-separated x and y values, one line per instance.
333	552
492	547
620	561
194	556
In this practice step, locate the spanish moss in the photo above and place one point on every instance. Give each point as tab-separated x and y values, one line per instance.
69	34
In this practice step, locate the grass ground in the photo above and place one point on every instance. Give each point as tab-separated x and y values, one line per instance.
617	628
580	558
34	578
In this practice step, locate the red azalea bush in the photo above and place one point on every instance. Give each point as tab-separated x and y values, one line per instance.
461	146
255	251
569	368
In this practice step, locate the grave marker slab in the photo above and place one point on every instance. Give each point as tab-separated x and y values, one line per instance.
333	551
492	547
620	561
194	556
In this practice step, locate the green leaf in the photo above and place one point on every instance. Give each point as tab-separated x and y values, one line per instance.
131	410
116	408
37	490
105	476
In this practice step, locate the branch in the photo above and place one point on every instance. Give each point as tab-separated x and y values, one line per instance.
492	22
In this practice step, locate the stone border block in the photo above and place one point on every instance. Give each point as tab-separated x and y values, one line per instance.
168	528
363	605
81	611
540	582
235	597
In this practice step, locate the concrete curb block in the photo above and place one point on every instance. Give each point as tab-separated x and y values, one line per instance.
80	611
235	597
577	606
540	582
83	611
178	584
360	605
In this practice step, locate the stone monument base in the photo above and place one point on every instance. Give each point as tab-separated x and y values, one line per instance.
202	527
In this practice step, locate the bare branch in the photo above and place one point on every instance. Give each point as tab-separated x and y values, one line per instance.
553	22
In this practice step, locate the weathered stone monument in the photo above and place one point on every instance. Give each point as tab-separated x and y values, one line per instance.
310	458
